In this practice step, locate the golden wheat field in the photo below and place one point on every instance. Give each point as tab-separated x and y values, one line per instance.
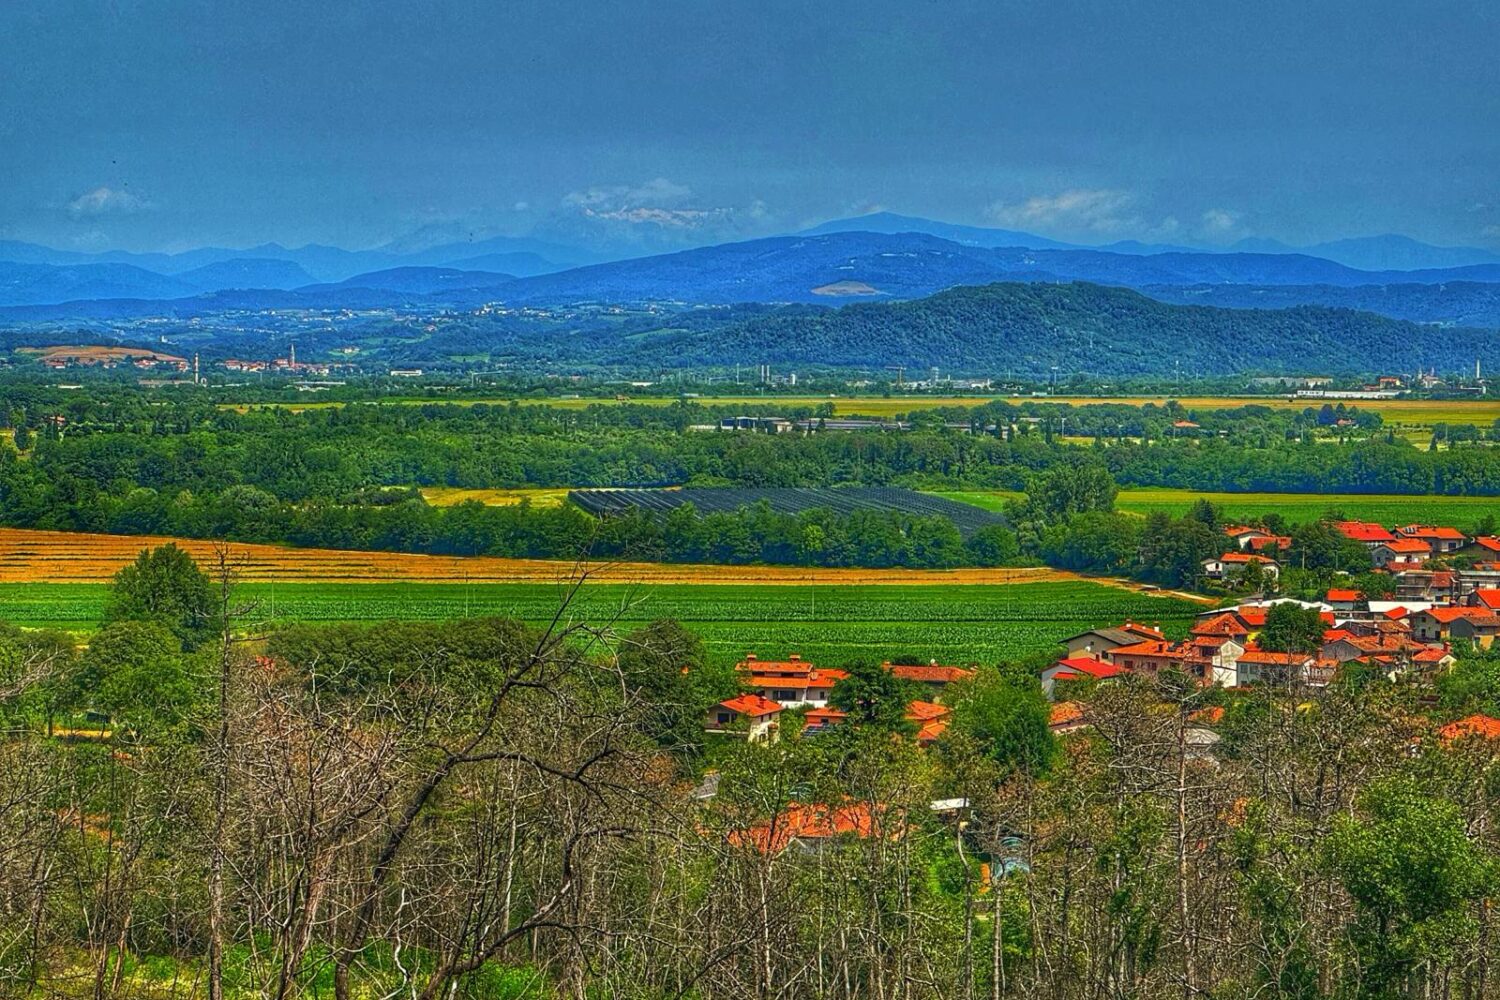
65	557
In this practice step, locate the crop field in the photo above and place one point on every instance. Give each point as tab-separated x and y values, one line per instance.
834	624
29	557
709	500
1382	508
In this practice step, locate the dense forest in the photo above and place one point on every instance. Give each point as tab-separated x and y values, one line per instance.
491	810
1031	327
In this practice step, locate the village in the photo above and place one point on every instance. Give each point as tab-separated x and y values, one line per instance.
1412	638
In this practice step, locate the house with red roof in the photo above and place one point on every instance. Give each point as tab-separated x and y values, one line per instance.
1440	540
1232	565
1259	666
755	718
1400	553
811	827
1392	646
1426	584
1149	657
1098	641
1225	624
794	682
1489	543
1479	630
1066	717
930	718
1280	543
1473	727
1341	599
1243	535
1436	624
933	676
1074	669
1364	532
1485	597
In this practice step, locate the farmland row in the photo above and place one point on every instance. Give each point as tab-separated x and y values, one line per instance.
961	623
28	556
1402	412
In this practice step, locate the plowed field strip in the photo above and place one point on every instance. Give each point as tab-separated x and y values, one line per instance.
64	557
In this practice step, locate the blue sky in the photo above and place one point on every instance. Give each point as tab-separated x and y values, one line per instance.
164	124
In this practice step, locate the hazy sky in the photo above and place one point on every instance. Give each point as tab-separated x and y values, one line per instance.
152	124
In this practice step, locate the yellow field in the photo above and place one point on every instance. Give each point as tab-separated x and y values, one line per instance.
65	557
448	496
1422	413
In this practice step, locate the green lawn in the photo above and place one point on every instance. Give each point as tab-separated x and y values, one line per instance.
834	624
1459	512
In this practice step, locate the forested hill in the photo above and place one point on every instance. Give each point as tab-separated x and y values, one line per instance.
1077	327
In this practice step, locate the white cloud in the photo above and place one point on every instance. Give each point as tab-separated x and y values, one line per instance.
1220	221
658	193
105	200
1100	210
659	202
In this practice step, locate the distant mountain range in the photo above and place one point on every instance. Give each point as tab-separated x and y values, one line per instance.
1028	328
512	255
1387	252
888	259
852	265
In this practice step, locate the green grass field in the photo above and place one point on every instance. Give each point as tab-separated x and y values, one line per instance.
953	623
1459	512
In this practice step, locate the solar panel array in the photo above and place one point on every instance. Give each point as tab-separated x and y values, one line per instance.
789	500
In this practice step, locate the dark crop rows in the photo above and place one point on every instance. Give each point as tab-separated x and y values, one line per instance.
840	500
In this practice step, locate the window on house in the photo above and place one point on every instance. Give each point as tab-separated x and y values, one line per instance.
725	718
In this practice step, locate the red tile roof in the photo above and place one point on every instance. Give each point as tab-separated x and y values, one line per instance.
1448	615
1225	625
1488	598
1261	656
924	711
1065	713
1153	648
1245	557
1411	545
1429	531
1092	667
751	705
811	822
1342	596
1488	542
929	673
1483	726
1362	531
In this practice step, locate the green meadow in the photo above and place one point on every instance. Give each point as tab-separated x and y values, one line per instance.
1384	508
